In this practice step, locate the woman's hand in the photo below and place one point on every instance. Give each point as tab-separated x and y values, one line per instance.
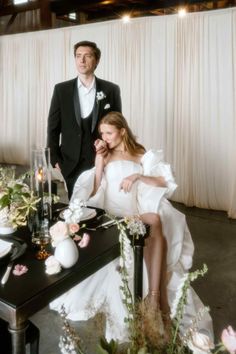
128	182
101	147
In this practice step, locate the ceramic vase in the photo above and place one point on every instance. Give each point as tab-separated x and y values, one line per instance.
67	253
6	229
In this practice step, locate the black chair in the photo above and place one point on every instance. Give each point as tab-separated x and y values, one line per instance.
32	335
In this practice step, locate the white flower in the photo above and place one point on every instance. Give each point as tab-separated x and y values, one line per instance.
52	265
73	214
59	232
200	343
178	296
100	95
136	227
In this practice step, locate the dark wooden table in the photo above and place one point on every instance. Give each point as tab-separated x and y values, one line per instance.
23	296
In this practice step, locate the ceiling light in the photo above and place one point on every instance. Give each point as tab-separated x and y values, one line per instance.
126	18
72	16
17	2
182	12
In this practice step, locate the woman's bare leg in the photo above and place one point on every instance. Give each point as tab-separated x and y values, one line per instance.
155	251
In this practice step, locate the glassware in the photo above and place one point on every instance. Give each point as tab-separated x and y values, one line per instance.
42	238
39	220
41	181
42	241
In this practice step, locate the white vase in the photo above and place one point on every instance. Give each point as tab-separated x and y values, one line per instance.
6	229
67	253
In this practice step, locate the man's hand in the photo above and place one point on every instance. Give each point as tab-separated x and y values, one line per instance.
57	166
101	147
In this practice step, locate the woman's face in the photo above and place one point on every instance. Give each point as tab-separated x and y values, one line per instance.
111	135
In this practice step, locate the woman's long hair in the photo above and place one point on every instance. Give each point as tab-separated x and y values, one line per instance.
118	120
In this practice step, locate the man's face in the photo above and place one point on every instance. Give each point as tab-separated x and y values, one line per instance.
85	60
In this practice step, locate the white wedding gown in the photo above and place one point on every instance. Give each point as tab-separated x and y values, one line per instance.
101	291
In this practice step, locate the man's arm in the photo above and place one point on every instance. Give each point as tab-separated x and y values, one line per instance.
117	105
54	129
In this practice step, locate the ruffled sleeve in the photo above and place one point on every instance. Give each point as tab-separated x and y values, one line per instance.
149	197
154	165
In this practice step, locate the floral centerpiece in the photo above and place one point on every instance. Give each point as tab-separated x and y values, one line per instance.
64	236
16	199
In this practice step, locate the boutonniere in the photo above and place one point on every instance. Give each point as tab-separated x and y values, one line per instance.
100	96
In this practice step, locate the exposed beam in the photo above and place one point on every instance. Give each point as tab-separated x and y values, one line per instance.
15	9
45	14
10	22
62	7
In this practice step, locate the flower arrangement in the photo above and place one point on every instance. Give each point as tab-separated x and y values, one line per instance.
16	198
67	229
70	342
62	230
74	211
146	331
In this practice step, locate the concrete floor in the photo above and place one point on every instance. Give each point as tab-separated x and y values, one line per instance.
214	236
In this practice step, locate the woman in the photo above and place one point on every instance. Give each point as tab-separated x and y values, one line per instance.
127	182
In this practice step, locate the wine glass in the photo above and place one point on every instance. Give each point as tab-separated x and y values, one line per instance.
42	240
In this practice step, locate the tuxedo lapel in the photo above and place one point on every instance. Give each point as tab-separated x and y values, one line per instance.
76	103
96	106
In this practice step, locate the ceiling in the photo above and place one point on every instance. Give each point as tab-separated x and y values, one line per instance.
45	14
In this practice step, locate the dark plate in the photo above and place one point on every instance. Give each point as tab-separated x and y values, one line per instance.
18	248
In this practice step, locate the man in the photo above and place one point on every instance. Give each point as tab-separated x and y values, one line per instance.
77	106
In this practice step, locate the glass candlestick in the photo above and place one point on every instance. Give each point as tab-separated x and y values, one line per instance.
41	185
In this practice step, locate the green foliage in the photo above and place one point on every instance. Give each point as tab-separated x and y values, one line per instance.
106	347
16	198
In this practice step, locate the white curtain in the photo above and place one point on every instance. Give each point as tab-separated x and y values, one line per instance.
178	85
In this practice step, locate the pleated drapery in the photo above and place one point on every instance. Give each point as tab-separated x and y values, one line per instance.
177	78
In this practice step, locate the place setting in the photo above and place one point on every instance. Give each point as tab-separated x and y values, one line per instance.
10	251
94	218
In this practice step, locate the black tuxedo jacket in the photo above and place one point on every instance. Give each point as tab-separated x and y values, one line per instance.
64	134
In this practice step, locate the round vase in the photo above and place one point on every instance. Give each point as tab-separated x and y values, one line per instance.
67	253
6	229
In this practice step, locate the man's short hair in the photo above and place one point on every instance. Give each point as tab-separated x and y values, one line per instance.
96	50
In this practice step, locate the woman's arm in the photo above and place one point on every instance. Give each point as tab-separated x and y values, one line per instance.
99	167
127	182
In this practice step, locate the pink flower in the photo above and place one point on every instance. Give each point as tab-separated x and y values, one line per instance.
85	240
59	232
20	269
77	238
73	228
228	338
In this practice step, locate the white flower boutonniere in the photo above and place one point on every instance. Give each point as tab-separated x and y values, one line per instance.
100	96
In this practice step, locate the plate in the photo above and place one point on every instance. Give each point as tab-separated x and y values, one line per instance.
5	248
88	214
18	247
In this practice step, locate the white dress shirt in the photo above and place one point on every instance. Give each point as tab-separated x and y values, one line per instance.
86	97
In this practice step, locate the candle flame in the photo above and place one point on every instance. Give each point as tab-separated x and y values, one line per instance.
40	174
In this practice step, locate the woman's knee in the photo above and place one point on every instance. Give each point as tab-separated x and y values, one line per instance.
152	219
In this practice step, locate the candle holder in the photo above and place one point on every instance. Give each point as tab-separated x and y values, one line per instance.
41	185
